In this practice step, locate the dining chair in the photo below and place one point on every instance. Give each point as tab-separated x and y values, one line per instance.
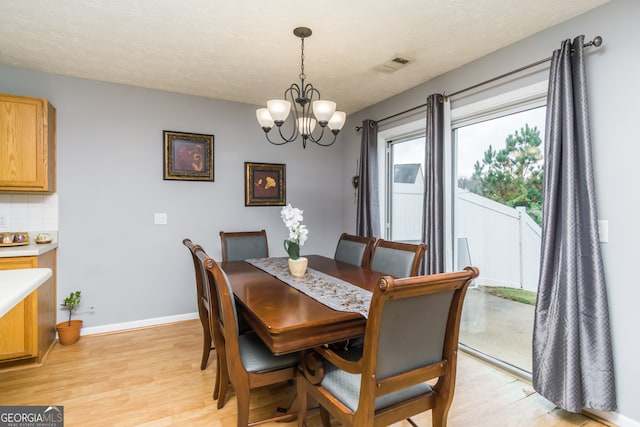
202	303
221	368
411	337
354	250
397	259
246	362
240	245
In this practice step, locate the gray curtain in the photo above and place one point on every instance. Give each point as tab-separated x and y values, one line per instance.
368	209
572	357
433	204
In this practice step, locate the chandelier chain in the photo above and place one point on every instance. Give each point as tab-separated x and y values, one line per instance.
302	76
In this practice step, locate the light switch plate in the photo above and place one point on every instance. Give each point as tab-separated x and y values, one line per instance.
160	218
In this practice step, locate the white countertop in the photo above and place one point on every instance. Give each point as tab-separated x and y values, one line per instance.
16	285
32	249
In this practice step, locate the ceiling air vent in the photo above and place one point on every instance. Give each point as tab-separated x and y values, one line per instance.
393	65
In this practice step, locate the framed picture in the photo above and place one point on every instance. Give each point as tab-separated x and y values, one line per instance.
264	184
188	156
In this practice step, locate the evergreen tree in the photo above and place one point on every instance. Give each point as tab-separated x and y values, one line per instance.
513	175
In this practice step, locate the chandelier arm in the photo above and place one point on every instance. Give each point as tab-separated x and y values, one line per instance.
284	141
335	136
309	91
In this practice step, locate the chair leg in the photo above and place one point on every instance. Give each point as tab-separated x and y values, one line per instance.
216	388
243	408
206	351
324	416
302	402
224	386
439	416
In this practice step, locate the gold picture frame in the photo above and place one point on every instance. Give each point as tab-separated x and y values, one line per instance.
265	184
188	156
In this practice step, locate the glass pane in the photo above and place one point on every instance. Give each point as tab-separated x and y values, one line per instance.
407	189
498	208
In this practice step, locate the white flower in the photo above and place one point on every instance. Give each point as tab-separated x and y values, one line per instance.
292	218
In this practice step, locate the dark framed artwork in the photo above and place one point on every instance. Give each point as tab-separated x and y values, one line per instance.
188	156
265	184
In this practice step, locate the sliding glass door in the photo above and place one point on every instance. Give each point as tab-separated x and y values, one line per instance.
497	210
405	188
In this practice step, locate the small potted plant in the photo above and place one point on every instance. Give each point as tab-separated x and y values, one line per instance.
69	331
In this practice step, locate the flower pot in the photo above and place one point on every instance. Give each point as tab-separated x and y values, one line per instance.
69	334
297	267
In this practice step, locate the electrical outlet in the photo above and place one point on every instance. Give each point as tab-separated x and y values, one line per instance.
603	230
3	220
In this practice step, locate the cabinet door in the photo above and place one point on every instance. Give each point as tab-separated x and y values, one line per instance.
27	144
20	330
19	327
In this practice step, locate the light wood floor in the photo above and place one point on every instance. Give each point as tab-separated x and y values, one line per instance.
152	377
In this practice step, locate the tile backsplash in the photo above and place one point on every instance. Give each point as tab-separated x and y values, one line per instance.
29	212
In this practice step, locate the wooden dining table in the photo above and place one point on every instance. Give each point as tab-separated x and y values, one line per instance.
288	320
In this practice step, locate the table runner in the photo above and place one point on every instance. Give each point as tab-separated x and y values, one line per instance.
328	290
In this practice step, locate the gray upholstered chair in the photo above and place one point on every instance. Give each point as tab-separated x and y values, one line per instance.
202	303
354	250
240	245
411	337
245	360
397	259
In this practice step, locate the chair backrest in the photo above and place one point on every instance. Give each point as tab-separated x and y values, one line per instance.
201	293
397	259
212	275
240	245
412	333
223	304
354	250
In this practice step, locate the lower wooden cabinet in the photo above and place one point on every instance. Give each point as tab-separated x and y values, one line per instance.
28	329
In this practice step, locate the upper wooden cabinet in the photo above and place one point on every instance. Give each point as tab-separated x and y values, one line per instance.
27	145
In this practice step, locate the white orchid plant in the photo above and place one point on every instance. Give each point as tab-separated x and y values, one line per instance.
292	218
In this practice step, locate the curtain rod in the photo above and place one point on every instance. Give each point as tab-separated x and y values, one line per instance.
597	42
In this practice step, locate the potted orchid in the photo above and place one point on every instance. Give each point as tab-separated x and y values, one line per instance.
292	218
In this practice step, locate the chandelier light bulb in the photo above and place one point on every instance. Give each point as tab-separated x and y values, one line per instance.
279	110
306	125
323	110
264	118
337	121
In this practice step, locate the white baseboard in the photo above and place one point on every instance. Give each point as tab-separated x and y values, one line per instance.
137	324
614	417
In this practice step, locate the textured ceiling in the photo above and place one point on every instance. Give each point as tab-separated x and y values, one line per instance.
245	51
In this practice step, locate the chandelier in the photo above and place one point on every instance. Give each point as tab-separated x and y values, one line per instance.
304	98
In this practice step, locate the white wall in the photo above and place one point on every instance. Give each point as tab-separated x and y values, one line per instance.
110	155
612	73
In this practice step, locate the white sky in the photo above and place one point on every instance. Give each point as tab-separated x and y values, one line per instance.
474	139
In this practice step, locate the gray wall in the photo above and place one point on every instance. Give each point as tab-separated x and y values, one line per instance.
612	73
110	155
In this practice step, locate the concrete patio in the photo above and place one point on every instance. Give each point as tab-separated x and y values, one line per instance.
498	327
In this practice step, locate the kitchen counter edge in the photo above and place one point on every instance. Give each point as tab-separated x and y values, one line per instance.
32	249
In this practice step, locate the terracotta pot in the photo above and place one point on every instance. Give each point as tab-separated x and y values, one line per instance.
69	334
297	267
